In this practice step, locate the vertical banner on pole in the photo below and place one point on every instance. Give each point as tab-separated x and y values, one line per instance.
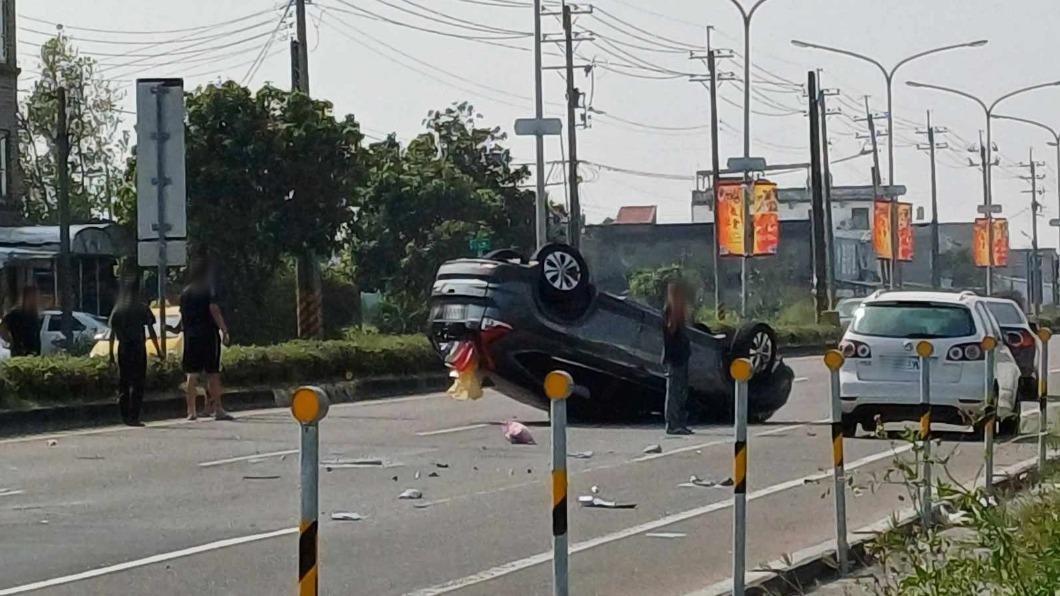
924	350
766	219
740	370
833	359
1001	245
730	218
905	232
881	229
980	243
558	387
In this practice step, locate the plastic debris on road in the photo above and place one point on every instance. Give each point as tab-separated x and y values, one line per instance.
653	449
580	455
411	493
346	516
697	482
265	477
668	535
517	433
432	475
52	442
441	465
597	502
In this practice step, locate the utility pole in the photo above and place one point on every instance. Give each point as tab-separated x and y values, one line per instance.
573	96
829	229
541	203
1034	273
62	169
892	268
715	159
821	299
984	160
307	270
930	147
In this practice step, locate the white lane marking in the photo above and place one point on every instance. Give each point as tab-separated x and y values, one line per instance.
455	429
514	566
1054	370
221	462
669	535
187	552
10	492
801	379
698	446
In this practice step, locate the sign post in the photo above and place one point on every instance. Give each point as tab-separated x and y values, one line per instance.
160	186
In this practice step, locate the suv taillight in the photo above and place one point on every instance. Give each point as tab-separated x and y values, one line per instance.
854	349
1026	339
965	352
492	330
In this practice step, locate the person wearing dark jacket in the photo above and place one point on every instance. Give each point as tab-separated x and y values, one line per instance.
20	327
676	350
127	323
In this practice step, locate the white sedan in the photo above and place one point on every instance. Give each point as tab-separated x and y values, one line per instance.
85	327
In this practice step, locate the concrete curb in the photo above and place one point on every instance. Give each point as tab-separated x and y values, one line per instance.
810	567
166	405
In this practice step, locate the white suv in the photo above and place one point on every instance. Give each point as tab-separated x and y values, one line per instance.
881	375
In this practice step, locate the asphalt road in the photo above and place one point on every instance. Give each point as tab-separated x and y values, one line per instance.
212	508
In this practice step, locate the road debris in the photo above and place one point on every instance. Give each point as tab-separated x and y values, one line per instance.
580	455
432	475
346	516
262	477
89	457
517	433
52	442
411	493
668	535
656	448
594	489
416	476
439	464
697	482
354	463
597	502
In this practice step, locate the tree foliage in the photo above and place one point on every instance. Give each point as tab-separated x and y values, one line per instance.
97	143
423	202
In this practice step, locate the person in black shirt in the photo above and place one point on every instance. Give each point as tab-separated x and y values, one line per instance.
20	327
127	322
676	350
204	331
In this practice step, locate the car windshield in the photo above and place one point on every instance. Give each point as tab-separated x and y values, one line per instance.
913	319
1006	313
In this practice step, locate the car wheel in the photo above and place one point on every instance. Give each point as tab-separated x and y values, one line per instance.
1009	427
758	343
563	278
505	255
850	427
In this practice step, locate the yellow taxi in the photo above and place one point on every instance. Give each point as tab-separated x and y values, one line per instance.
174	341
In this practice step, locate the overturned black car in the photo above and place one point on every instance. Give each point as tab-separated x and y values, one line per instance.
520	320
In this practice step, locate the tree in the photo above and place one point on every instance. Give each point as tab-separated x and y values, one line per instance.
422	204
269	174
97	143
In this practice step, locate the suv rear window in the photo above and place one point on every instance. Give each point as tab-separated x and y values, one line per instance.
913	319
1006	313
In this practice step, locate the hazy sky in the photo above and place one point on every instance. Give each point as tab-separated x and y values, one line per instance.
370	60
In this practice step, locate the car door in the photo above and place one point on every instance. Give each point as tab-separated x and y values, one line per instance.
50	333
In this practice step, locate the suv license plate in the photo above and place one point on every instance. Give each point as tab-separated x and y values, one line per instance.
454	312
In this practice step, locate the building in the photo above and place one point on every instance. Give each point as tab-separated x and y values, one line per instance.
9	71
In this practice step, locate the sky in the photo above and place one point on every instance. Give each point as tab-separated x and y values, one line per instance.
389	62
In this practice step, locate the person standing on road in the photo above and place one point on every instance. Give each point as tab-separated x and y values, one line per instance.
127	322
676	350
204	331
20	327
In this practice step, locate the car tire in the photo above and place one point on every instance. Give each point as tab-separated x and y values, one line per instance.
505	255
1008	427
563	279
757	342
850	427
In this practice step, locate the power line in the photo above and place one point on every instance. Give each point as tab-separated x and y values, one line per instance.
196	28
265	48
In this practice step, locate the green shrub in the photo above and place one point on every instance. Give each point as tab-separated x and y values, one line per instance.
59	379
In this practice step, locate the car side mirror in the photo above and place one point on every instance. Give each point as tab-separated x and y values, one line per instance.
1013	338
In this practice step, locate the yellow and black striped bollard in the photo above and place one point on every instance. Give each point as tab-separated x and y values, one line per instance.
833	359
740	370
309	405
558	387
924	350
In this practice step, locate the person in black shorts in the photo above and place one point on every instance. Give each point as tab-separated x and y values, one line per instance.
127	323
20	327
204	331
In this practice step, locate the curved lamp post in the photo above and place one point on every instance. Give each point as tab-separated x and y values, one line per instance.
747	15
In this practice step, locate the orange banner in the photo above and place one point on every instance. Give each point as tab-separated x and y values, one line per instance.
881	229
980	242
905	231
766	219
730	219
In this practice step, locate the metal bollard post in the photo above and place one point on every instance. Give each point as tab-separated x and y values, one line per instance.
1045	334
558	386
990	415
833	359
924	350
309	405
741	370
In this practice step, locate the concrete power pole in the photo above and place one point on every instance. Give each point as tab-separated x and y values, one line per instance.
62	169
828	226
892	267
307	270
930	147
819	249
573	96
1034	272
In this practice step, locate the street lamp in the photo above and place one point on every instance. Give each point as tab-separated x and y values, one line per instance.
747	14
988	166
888	75
1055	143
